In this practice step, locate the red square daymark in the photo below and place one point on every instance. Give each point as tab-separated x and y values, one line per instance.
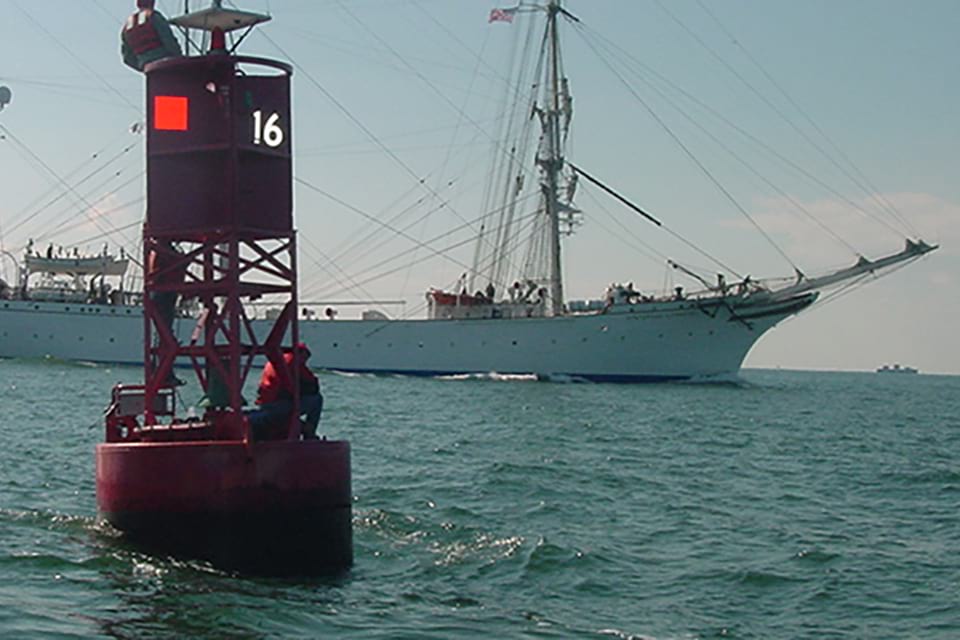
170	113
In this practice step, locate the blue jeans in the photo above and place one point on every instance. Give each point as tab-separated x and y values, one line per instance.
276	412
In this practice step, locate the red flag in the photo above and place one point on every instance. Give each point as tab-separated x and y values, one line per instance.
502	15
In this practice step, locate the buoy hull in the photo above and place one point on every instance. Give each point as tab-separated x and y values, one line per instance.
281	507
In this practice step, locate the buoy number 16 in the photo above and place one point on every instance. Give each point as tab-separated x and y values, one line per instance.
267	131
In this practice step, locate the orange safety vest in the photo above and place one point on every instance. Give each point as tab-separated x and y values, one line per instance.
140	34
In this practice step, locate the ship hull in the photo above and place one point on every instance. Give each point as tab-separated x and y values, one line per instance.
656	341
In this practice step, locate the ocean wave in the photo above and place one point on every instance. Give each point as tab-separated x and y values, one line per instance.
761	578
720	379
50	519
490	376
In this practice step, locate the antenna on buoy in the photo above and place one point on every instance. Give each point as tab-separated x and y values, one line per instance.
215	19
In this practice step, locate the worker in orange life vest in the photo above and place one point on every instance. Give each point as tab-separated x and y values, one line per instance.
147	37
276	401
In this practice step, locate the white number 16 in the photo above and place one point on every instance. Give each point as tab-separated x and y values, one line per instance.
269	132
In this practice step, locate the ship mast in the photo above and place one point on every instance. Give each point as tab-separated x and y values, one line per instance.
551	160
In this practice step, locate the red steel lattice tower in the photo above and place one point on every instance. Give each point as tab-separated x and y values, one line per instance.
219	225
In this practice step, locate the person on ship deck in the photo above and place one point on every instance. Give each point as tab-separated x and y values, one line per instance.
275	400
147	37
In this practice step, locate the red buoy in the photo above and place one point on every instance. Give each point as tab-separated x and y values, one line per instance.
226	486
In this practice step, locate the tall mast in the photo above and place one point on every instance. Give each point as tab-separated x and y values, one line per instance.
551	162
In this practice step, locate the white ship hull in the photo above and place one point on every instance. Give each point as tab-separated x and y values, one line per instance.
639	343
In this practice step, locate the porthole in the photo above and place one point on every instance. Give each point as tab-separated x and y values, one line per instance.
112	340
514	343
336	344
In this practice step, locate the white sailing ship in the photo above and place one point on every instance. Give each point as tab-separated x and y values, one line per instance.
517	322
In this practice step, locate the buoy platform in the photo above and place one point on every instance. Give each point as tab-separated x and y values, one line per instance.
278	508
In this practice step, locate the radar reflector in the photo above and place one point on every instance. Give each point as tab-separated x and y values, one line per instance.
219	18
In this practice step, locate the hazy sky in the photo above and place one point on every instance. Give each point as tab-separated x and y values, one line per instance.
392	92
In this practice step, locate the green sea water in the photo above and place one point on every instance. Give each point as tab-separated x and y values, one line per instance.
790	505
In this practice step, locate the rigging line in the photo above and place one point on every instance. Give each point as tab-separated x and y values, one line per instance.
333	275
356	121
94	219
69	213
383	274
693	158
429	242
354	241
433	240
645	249
533	219
361	242
68	176
650	218
369	217
372	248
494	71
510	171
453	138
76	58
429	84
64	86
746	134
345	147
356	152
873	189
87	177
752	170
100	236
64	228
773	107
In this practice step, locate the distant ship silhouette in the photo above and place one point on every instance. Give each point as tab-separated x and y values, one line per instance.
896	368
